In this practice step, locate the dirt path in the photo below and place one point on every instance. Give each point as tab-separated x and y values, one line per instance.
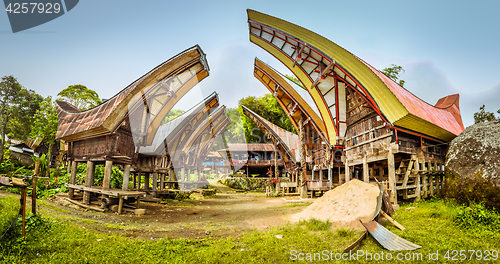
228	213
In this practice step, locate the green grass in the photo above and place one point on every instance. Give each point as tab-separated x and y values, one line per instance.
431	225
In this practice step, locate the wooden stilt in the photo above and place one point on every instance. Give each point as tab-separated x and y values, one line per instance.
366	176
392	177
89	180
146	181
155	183
126	177
106	182
72	179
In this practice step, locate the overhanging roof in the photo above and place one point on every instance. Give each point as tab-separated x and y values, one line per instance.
145	102
326	69
287	143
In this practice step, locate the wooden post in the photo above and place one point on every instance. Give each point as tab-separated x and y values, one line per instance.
139	179
146	181
366	176
72	179
392	177
417	179
126	177
23	198
89	179
162	181
183	174
155	183
347	172
108	169
120	204
134	183
330	180
33	192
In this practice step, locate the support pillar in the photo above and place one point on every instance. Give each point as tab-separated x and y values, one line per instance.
155	183
392	177
72	179
126	177
146	181
89	180
417	179
108	169
366	176
330	180
139	179
162	181
347	172
134	181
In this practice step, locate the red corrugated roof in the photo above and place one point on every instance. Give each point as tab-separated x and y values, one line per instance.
445	114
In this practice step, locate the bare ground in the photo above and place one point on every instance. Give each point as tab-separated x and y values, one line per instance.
228	213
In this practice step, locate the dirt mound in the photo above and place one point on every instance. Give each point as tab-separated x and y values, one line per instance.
344	205
473	165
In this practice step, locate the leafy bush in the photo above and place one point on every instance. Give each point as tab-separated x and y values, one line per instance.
477	217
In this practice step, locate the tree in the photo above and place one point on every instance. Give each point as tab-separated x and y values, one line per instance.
14	102
80	96
295	80
19	125
171	115
45	125
394	72
484	116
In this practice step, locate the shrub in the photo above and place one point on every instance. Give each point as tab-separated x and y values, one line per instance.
477	217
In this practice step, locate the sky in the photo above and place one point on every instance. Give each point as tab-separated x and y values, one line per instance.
445	47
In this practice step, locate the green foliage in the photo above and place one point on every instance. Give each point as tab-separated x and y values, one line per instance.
172	114
316	225
182	196
394	73
268	107
17	106
80	96
294	79
484	116
477	217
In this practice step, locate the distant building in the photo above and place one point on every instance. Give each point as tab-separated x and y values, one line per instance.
252	158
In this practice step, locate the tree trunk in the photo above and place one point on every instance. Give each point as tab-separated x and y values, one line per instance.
2	134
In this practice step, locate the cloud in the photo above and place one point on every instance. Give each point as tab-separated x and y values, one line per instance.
428	82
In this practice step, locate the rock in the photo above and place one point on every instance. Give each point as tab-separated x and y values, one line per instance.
473	165
344	206
140	211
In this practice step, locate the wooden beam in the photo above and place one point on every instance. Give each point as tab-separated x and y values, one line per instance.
323	73
299	55
398	225
408	172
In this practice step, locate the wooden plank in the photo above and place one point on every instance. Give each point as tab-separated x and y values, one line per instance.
355	243
369	141
114	192
398	225
84	205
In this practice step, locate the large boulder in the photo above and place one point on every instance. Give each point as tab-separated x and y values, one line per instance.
473	165
344	206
